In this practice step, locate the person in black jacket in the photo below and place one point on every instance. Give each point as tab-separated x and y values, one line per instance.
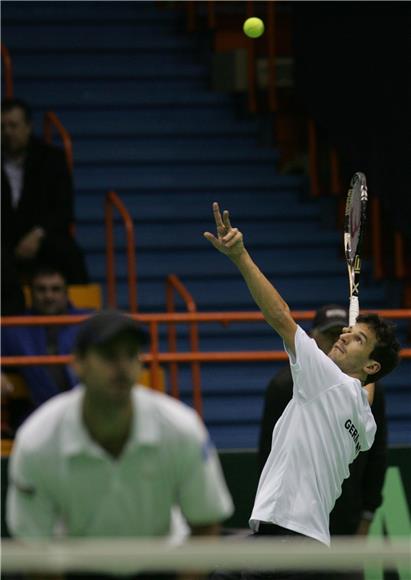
37	201
362	492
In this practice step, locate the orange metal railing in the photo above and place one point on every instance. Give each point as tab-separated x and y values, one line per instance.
271	51
174	284
154	358
211	16
50	122
191	15
251	68
7	71
399	256
192	25
113	201
336	187
376	238
313	158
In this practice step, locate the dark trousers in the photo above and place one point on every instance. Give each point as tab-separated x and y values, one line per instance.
285	536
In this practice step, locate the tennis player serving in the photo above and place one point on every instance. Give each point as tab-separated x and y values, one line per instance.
328	420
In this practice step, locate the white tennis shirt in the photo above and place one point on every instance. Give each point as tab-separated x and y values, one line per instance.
59	477
323	428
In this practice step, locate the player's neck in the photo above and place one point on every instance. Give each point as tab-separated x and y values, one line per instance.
370	388
360	376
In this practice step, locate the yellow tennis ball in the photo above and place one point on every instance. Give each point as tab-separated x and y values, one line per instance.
253	27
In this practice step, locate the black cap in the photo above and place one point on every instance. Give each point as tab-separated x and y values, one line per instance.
104	326
330	316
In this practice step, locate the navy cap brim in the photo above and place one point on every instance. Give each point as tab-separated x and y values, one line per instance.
331	324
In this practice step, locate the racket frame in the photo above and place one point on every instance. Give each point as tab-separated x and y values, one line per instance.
354	262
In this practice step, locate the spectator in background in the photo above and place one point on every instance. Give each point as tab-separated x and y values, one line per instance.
140	452
362	492
49	297
37	202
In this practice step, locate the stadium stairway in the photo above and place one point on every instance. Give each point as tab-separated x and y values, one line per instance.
129	85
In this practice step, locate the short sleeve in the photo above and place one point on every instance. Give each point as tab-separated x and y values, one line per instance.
202	492
370	428
312	370
29	509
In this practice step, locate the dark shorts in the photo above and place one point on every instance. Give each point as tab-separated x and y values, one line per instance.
286	536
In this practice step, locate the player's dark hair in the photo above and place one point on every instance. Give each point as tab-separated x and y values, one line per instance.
386	350
10	104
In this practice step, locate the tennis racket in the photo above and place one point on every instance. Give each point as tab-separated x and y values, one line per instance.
354	226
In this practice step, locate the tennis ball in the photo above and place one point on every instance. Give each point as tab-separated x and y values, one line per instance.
253	27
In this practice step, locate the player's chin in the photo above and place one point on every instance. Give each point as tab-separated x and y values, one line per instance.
335	354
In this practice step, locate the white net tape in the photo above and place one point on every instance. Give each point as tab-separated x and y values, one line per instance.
133	556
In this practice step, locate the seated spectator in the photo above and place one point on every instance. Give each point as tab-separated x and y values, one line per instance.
48	290
37	201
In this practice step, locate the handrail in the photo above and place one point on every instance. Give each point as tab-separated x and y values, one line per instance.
184	317
192	25
154	320
154	358
174	284
113	200
51	120
376	237
168	357
8	72
313	158
272	70
211	15
191	15
375	205
399	256
335	177
251	68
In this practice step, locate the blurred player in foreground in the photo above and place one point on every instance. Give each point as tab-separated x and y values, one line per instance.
328	421
108	459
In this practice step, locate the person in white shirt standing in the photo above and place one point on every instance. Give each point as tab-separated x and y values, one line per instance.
109	459
327	422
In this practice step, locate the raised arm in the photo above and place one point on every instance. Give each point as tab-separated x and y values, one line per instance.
229	241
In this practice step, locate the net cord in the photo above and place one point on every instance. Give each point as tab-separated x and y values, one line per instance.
133	556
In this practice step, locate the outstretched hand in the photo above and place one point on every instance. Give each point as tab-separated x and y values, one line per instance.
229	240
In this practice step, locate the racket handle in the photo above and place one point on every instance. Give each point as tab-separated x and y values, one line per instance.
354	310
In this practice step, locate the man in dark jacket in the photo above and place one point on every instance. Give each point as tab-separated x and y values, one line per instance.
362	491
37	200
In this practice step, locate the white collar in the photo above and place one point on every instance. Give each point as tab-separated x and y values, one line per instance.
145	429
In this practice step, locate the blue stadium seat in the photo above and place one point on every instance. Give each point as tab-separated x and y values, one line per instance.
133	90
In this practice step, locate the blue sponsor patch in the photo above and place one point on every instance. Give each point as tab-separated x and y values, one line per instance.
206	449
